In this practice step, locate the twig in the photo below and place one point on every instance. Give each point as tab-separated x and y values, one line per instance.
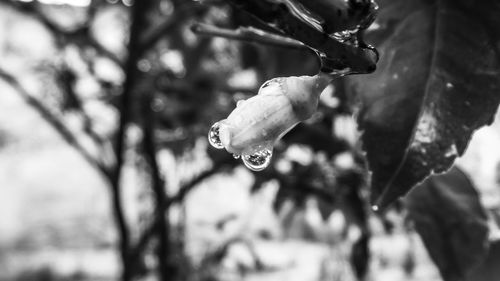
161	212
151	37
248	34
66	134
125	109
186	188
149	232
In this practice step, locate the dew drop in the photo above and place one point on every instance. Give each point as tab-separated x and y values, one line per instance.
347	37
270	82
375	208
452	151
236	156
259	160
214	137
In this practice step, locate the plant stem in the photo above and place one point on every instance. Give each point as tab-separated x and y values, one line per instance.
248	34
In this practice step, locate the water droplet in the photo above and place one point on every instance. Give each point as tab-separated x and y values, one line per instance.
375	208
259	160
269	83
214	137
236	156
449	86
452	151
348	37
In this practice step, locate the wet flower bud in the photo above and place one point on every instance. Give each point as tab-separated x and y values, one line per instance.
257	123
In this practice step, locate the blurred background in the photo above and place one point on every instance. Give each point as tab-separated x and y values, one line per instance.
106	172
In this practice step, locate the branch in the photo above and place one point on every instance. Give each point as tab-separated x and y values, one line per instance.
249	34
225	161
161	212
148	233
139	19
339	56
65	79
170	24
59	126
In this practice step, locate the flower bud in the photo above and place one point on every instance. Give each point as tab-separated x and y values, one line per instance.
257	123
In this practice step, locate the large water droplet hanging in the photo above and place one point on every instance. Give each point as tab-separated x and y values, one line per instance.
214	137
259	160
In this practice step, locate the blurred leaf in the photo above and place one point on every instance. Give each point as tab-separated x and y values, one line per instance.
488	270
360	256
451	221
436	83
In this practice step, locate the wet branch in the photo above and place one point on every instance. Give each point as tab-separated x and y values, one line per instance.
248	34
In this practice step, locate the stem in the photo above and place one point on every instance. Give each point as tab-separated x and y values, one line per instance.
248	34
161	210
338	55
224	162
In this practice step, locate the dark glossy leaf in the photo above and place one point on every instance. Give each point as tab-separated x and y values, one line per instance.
451	221
438	81
334	15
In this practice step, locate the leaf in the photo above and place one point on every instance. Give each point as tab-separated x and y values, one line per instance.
451	221
488	270
437	82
